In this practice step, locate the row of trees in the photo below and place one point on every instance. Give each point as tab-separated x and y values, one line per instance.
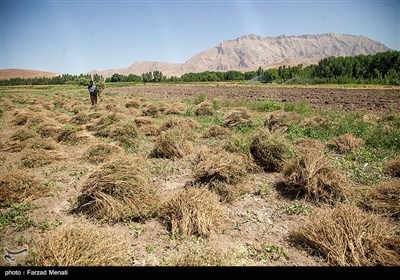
381	68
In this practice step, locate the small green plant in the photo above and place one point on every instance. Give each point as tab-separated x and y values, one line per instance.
78	174
296	209
274	252
17	216
150	248
200	98
48	226
21	240
264	190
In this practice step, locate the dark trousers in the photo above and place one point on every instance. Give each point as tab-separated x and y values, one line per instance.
93	99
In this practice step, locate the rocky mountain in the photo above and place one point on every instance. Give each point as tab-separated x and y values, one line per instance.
249	52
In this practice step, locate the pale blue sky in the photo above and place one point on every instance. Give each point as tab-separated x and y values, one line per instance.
79	36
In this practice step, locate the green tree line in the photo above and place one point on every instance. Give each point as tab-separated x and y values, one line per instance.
380	68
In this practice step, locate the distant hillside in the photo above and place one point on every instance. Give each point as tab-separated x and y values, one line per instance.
249	52
24	73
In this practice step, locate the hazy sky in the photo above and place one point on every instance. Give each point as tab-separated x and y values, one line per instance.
79	36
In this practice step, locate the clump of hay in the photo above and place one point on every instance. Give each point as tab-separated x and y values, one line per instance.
345	143
118	190
141	121
111	107
315	121
132	104
218	166
124	132
22	134
194	211
204	109
152	110
100	153
69	134
392	167
305	144
383	199
312	176
39	158
217	131
20	118
204	256
49	129
41	144
103	122
176	108
269	150
82	244
185	124
19	186
80	118
172	143
280	120
347	236
238	116
370	118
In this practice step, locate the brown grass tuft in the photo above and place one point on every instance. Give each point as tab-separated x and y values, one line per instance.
238	116
314	177
269	150
83	245
217	131
141	121
176	108
218	166
280	120
185	124
119	190
172	143
383	199
103	122
306	144
152	110
392	167
194	211
21	118
204	109
49	129
38	158
100	153
315	121
80	118
22	134
132	104
346	236
69	134
345	143
124	132
41	144
19	186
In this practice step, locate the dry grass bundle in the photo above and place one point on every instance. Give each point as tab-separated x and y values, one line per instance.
80	118
204	256
49	129
347	236
38	158
371	118
393	167
22	134
305	144
41	144
175	108
141	121
150	130
124	132
172	143
269	150
100	153
111	107
103	123
229	192
119	190
238	116
186	124
280	120
218	166
151	110
204	109
194	211
69	134
132	104
83	245
217	131
384	199
315	121
19	186
21	118
345	143
314	177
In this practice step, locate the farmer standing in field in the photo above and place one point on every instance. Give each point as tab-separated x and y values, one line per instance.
93	93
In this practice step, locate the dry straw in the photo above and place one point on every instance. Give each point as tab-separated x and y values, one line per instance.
119	190
347	236
172	143
237	116
204	109
194	211
280	120
82	245
217	132
312	176
100	153
345	143
392	167
19	186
